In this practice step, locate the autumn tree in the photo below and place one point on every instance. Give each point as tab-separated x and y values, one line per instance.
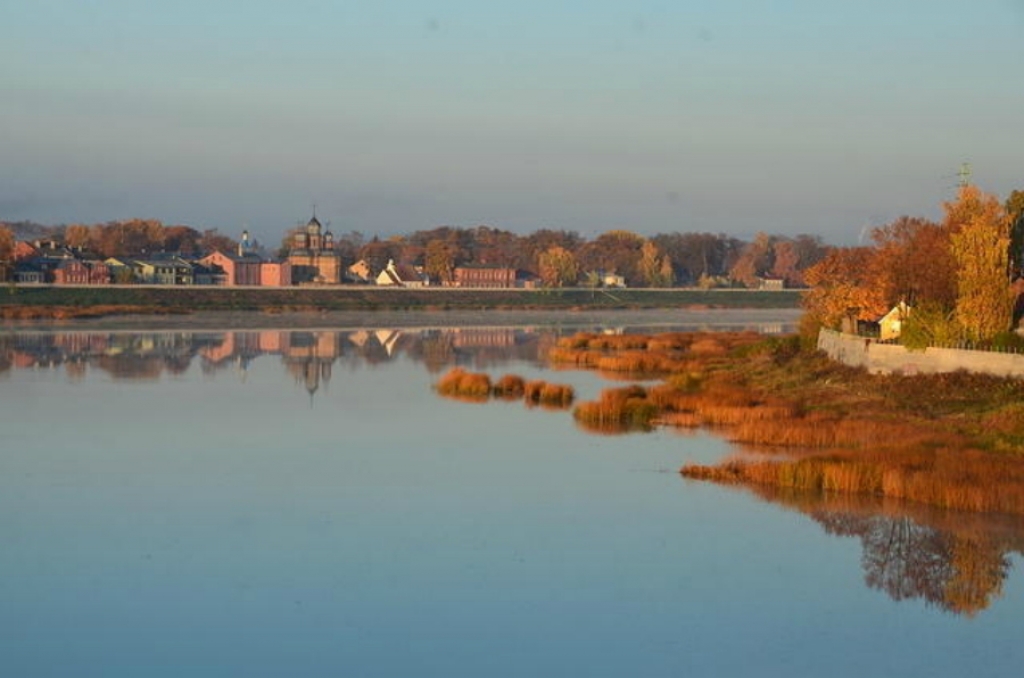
785	262
6	244
842	286
615	251
980	245
754	262
655	268
439	261
213	240
495	246
76	236
540	241
378	252
913	262
699	255
1015	213
558	267
182	239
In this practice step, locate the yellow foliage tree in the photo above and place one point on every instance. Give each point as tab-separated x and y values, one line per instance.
558	267
980	242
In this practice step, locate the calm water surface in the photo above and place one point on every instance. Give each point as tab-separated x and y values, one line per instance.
301	503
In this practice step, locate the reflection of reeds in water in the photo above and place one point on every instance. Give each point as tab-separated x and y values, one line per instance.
477	387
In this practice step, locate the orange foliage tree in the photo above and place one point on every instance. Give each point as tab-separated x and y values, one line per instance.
6	243
913	262
843	286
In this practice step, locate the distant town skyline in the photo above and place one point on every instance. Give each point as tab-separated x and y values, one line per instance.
786	117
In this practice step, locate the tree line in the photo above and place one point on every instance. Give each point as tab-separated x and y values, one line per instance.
557	257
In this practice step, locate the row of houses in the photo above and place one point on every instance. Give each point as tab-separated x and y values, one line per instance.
50	263
65	266
311	260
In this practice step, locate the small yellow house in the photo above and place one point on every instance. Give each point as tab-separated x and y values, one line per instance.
891	324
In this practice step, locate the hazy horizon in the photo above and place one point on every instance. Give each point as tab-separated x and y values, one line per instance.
792	117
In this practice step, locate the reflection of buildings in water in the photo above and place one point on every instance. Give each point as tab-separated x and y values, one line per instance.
148	355
954	560
309	357
481	337
388	339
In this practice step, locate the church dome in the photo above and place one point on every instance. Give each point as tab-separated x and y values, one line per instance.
313	226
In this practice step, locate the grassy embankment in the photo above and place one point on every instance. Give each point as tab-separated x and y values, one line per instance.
26	302
954	440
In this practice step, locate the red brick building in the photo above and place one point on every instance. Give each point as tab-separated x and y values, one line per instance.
485	276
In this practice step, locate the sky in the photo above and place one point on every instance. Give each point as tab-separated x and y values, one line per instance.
784	116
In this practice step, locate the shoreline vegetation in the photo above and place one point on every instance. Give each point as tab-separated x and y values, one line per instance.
805	423
63	303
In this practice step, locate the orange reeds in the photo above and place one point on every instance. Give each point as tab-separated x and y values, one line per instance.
552	395
510	386
459	382
477	386
953	478
618	409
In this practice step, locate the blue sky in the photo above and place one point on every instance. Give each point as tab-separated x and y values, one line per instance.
784	116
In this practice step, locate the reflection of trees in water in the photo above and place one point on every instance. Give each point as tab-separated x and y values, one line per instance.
955	561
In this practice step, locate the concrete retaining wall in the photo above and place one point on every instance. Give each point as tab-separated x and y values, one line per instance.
880	358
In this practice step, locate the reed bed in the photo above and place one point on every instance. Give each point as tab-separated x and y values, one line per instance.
950	478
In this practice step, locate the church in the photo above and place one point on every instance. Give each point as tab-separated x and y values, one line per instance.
313	258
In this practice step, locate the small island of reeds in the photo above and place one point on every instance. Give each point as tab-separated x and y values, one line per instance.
477	387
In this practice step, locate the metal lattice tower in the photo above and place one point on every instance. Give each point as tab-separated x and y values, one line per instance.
964	174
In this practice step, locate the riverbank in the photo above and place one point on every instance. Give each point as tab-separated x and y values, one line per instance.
807	423
64	302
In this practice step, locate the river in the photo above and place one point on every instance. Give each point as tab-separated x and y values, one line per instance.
264	502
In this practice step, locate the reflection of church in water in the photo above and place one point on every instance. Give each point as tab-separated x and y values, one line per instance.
309	357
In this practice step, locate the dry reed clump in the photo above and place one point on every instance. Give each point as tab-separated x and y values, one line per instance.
618	409
459	382
551	395
509	387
